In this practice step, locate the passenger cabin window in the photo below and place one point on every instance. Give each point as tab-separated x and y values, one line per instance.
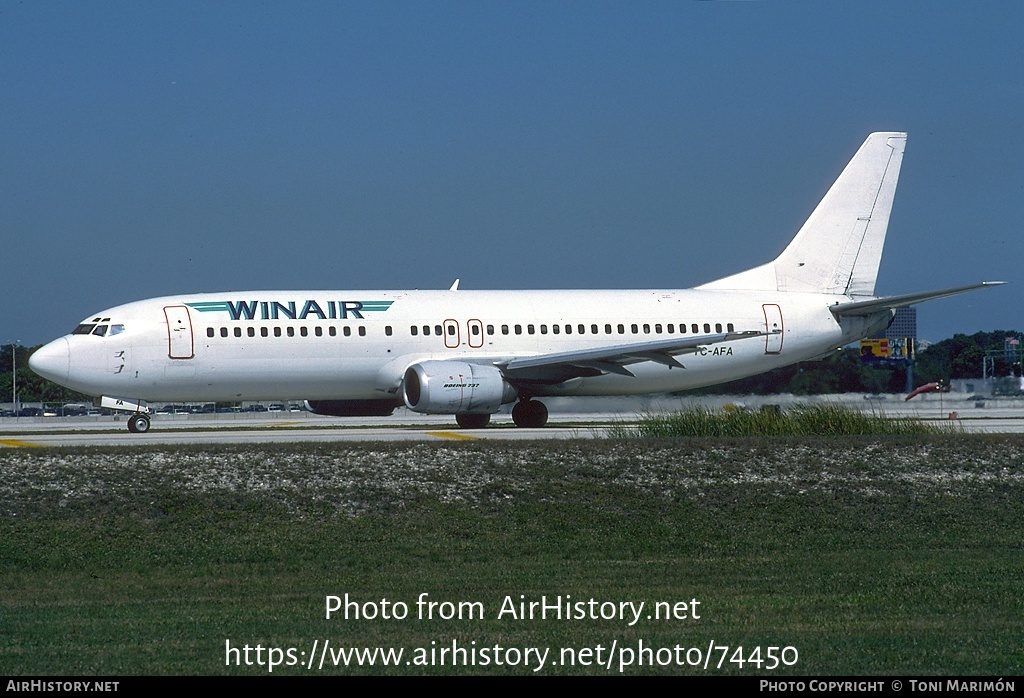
718	327
387	330
333	331
362	331
264	332
318	331
210	332
238	331
251	331
414	330
347	331
223	331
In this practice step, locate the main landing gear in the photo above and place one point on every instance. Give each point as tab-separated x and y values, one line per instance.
472	421
138	423
526	413
530	414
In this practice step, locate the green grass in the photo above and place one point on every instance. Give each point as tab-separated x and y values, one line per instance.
816	420
870	556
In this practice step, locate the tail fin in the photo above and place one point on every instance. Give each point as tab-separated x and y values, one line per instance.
839	248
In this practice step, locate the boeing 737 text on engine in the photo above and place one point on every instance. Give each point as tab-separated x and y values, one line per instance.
467	353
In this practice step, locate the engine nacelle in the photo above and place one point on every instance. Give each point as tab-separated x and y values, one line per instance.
454	387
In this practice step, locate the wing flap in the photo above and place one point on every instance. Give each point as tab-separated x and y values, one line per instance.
659	357
613	359
605	367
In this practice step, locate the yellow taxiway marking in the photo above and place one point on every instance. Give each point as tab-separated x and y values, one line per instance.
13	443
282	424
452	435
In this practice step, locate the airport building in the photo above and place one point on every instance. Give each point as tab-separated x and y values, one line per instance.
904	325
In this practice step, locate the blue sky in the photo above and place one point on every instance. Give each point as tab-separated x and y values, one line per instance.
153	148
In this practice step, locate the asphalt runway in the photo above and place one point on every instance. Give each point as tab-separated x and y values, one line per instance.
569	419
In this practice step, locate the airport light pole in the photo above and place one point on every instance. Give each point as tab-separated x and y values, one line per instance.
14	376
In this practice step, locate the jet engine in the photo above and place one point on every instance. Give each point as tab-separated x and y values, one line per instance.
454	387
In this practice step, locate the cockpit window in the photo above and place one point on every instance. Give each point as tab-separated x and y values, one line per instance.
100	330
85	328
115	329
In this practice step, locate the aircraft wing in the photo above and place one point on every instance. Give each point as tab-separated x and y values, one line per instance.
877	305
614	359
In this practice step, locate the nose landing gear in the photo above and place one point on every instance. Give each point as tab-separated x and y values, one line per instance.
138	423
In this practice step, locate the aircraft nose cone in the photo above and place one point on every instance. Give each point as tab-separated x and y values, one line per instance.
52	361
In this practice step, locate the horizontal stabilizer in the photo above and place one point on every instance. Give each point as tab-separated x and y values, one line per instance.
877	305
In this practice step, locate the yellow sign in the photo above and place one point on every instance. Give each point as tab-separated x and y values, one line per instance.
874	349
897	349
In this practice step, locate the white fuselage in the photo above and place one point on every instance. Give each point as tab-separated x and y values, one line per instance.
319	345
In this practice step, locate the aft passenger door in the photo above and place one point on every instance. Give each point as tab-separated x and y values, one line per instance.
774	328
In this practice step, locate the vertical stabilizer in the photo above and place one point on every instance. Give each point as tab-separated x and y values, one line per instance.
838	249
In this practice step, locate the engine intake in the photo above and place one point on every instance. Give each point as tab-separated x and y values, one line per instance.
455	387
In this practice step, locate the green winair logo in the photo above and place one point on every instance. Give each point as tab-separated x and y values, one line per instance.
290	310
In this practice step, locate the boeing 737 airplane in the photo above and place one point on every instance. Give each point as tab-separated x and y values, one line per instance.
467	353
